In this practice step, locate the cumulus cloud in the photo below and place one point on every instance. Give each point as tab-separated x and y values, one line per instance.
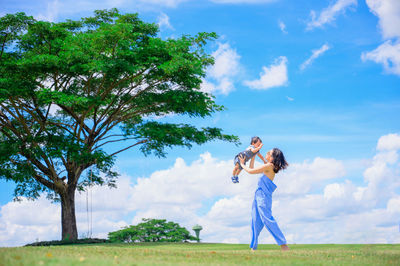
388	53
273	76
329	14
300	178
220	76
315	54
311	196
388	12
20	223
163	21
161	190
389	142
353	214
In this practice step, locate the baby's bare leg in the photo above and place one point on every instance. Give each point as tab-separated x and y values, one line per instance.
235	169
238	171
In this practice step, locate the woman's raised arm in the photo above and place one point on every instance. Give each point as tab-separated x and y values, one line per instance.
257	170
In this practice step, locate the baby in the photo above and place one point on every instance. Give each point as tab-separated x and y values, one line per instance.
252	150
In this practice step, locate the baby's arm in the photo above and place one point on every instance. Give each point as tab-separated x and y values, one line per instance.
252	162
255	150
262	158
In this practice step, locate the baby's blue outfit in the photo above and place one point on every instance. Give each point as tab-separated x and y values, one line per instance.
247	154
261	212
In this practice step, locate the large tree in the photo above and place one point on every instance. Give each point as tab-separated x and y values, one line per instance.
69	89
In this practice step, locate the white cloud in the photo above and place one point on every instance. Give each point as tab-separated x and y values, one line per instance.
315	54
388	12
333	191
387	54
393	205
273	76
311	196
282	26
329	14
389	142
163	21
353	214
220	76
382	178
300	178
226	62
20	223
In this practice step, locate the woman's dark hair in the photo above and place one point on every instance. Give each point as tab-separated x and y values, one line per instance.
278	160
255	139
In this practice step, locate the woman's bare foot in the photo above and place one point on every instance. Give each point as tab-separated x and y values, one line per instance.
285	247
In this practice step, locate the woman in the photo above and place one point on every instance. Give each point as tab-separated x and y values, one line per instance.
261	211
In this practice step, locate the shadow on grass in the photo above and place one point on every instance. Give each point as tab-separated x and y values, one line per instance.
68	242
87	241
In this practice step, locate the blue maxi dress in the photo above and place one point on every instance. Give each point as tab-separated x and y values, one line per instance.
261	213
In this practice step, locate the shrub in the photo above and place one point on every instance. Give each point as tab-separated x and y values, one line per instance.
152	230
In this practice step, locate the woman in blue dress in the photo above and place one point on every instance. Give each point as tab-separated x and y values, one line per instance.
261	211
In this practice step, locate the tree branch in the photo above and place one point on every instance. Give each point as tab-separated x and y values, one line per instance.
111	141
7	123
45	182
121	105
3	45
110	136
140	142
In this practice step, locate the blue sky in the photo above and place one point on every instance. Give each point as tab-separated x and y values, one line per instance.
318	79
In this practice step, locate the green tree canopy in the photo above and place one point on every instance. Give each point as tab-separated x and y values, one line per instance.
69	89
152	230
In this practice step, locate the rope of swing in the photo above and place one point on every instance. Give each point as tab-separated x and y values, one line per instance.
89	209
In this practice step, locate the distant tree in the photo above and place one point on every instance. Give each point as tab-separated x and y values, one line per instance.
68	89
152	230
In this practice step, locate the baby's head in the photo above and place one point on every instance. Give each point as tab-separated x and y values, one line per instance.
255	141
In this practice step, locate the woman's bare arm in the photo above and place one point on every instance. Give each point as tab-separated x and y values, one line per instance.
257	170
260	169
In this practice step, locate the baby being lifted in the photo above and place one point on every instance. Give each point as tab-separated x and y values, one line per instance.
252	150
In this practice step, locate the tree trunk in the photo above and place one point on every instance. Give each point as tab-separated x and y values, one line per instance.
68	219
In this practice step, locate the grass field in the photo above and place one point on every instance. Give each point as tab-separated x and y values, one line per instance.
203	253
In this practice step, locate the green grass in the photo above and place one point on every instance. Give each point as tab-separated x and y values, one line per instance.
208	254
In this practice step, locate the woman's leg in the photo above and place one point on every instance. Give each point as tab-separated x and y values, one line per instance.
264	203
285	247
256	226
